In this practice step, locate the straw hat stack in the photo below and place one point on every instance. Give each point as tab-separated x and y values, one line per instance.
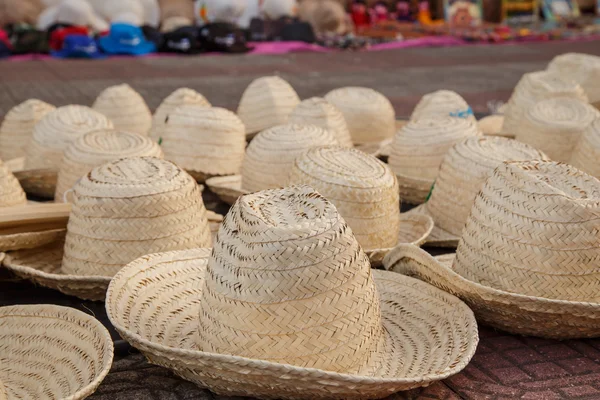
96	148
267	102
205	141
57	130
419	148
534	87
126	108
129	208
178	98
369	114
555	126
17	128
586	155
440	104
319	112
11	193
583	69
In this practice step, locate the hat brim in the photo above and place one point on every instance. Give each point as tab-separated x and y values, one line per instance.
74	349
110	47
69	54
430	335
438	236
29	240
38	182
511	312
227	188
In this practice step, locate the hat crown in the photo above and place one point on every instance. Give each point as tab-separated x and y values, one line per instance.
287	282
178	98
562	113
126	108
31	110
97	145
318	111
11	192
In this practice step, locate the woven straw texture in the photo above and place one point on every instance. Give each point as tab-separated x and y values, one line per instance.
555	126
56	130
369	114
52	352
319	112
96	148
17	128
132	207
492	125
534	87
205	141
126	108
30	240
583	69
586	155
302	315
227	188
267	102
11	193
440	103
180	97
419	148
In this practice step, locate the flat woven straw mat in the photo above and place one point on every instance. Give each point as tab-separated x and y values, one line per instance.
51	352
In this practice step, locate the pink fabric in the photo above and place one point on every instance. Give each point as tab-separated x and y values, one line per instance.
285	47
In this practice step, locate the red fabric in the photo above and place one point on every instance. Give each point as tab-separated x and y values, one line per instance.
5	39
58	36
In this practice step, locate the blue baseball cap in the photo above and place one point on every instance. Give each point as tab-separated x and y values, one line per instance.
126	39
78	46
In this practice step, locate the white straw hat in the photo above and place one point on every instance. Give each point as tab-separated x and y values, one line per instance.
365	192
464	170
205	141
419	148
125	108
275	9
286	306
50	352
269	159
526	262
17	128
369	114
442	103
96	148
319	112
555	126
178	98
583	69
492	125
11	193
267	102
586	155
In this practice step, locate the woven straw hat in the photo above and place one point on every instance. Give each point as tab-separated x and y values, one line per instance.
365	192
205	141
287	306
269	159
11	193
319	112
464	170
534	87
555	126
178	98
125	108
50	352
96	148
17	128
583	69
369	114
266	102
587	151
419	148
526	262
440	104
492	125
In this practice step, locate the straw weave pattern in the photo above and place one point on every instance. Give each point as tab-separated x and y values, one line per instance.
179	97
319	112
30	240
126	108
440	103
583	69
586	155
11	193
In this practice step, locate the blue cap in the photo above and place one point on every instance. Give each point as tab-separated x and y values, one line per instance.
126	39
78	46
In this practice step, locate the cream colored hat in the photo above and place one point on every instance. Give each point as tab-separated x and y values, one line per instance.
369	114
365	192
11	193
583	69
442	103
532	88
275	9
287	306
555	126
50	352
267	102
319	112
17	128
125	108
419	148
205	141
269	159
464	170
526	262
96	148
586	155
178	98
174	22
492	125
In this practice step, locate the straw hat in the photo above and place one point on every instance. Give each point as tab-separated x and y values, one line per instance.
369	114
464	170
96	148
17	128
365	192
587	151
286	306
51	352
125	108
205	141
492	125
419	148
526	262
583	69
11	193
178	98
269	159
319	112
555	126
267	102
532	88
440	104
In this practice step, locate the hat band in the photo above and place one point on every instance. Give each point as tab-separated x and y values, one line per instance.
462	114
